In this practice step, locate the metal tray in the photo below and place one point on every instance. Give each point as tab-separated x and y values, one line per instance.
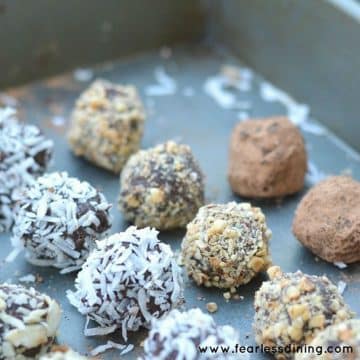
194	118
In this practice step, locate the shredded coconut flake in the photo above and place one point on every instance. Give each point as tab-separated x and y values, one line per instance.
340	265
165	84
83	74
29	278
341	286
314	175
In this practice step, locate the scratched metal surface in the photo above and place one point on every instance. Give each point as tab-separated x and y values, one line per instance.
198	121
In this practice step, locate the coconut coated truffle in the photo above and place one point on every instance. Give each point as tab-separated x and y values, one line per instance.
226	245
292	308
267	158
129	279
161	187
24	155
58	221
62	353
107	124
343	336
28	322
327	220
179	335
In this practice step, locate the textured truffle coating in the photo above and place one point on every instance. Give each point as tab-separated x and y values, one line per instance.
267	158
292	308
327	220
28	322
62	353
24	155
161	187
178	336
342	335
226	245
129	279
58	221
107	124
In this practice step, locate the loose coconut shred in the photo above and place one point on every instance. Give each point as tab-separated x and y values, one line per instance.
58	221
179	335
129	279
24	155
28	322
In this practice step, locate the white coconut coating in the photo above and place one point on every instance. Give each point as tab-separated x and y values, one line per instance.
58	221
24	154
292	308
129	279
226	245
179	335
162	187
28	322
107	124
344	336
62	353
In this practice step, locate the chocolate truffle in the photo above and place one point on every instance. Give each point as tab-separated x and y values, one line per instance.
267	158
327	220
24	154
58	221
344	336
62	353
292	308
28	322
226	245
107	124
161	187
129	279
179	335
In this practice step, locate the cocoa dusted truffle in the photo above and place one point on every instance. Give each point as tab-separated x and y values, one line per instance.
107	124
179	335
267	158
62	353
327	220
292	308
28	322
24	155
344	337
58	221
161	187
129	279
226	245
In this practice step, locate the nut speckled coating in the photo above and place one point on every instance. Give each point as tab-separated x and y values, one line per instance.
267	158
226	245
161	187
107	124
342	335
292	308
28	322
327	220
62	353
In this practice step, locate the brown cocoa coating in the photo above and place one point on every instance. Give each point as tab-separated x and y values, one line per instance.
327	220
267	158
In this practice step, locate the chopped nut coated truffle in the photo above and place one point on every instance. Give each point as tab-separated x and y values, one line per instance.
179	335
107	124
226	245
344	336
161	187
327	220
292	308
267	158
28	322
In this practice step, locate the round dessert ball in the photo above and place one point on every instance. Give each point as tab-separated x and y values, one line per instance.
28	322
179	335
24	155
226	245
129	279
107	124
292	308
327	220
58	220
162	187
344	337
267	158
62	353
